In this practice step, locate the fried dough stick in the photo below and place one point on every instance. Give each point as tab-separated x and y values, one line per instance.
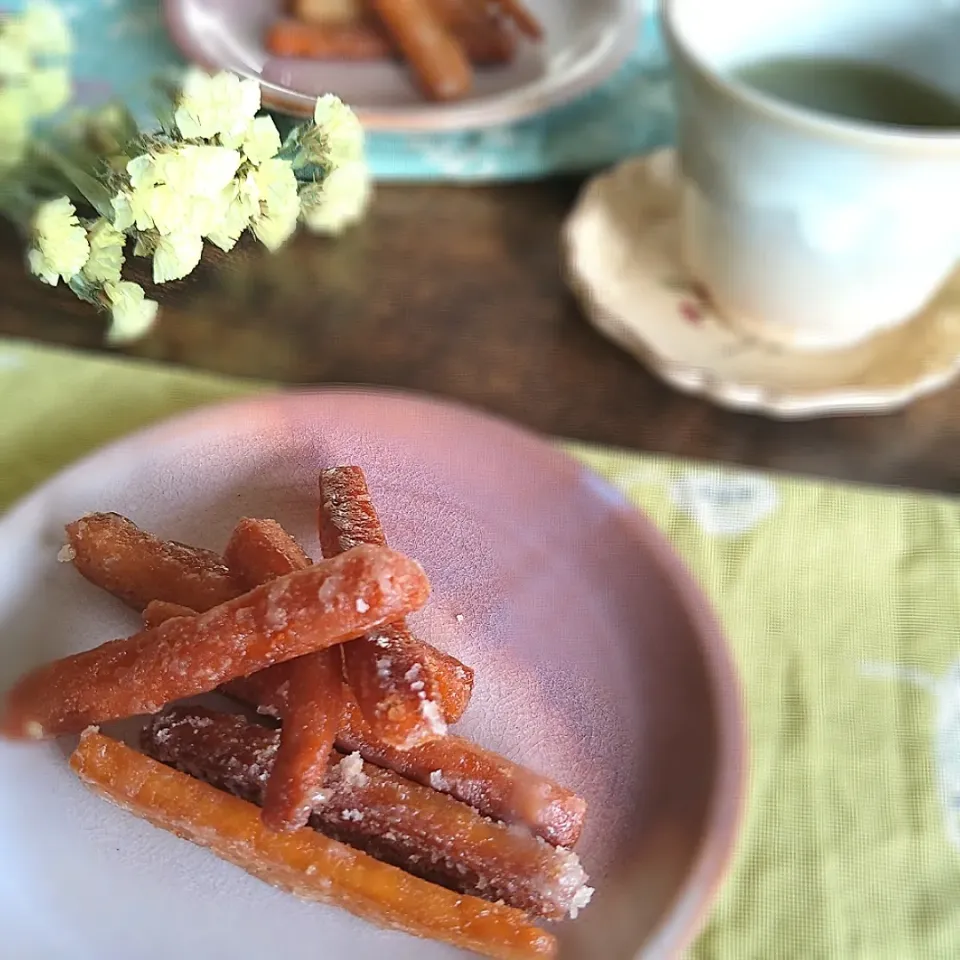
326	604
493	785
260	551
426	833
305	863
437	59
115	554
401	686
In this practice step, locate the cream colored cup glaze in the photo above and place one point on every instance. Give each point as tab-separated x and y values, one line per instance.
808	230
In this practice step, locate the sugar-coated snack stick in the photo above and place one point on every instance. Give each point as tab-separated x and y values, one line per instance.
316	681
326	604
114	553
397	681
160	611
453	680
359	41
305	863
328	11
522	18
413	827
398	695
491	784
485	37
310	724
435	56
347	516
258	552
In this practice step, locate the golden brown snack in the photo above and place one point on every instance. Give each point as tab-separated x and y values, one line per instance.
114	553
453	680
434	54
328	11
397	693
485	37
305	863
347	516
259	552
426	833
489	783
326	604
310	725
160	611
328	41
400	683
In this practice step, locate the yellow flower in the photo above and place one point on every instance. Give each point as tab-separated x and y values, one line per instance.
237	211
261	141
131	313
41	30
106	252
178	190
123	215
222	104
143	171
176	255
337	136
48	89
60	247
14	126
198	170
275	186
273	230
340	201
190	169
161	207
15	60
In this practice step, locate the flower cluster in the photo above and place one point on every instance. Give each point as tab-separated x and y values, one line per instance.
34	81
215	169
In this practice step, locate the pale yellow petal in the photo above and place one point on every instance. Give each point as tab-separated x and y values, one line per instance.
262	140
175	256
106	252
340	201
132	315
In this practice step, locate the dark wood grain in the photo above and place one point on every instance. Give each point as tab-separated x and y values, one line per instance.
457	291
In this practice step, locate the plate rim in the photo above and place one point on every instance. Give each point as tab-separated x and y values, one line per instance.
426	117
697	894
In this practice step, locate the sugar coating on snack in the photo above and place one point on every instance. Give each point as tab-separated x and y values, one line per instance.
409	825
187	656
350	770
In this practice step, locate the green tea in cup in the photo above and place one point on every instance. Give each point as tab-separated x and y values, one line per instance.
852	89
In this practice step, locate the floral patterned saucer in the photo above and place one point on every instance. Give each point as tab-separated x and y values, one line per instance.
621	255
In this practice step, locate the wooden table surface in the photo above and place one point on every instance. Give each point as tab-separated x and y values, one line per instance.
457	291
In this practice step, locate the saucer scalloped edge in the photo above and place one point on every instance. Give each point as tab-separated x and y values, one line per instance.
622	260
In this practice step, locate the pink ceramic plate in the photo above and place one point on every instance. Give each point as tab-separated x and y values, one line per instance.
583	44
597	660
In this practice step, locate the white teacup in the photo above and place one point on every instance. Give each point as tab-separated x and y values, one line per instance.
806	228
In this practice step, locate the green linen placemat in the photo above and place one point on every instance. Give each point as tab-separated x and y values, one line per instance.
842	605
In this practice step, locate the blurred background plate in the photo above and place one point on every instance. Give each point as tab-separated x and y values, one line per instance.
584	44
